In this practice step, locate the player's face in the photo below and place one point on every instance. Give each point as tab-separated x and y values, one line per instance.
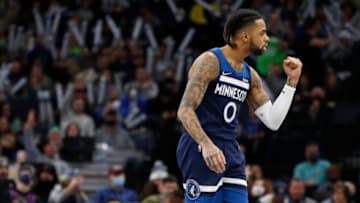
258	37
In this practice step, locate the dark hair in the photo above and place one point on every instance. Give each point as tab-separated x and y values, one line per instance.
342	187
311	143
236	21
68	127
297	180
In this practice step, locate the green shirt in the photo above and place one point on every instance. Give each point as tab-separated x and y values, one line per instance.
317	172
273	55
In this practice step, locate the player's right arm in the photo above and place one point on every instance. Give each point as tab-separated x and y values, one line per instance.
205	69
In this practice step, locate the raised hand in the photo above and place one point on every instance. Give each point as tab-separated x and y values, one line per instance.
292	68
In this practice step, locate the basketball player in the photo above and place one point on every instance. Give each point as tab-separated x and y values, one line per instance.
219	82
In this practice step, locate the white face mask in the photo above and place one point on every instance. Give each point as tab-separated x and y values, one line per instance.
257	191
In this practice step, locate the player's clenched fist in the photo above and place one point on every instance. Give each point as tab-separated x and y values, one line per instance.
213	157
292	68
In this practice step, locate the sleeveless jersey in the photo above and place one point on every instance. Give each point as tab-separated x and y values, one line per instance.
219	110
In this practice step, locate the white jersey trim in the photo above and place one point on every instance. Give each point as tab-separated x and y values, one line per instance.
214	188
234	81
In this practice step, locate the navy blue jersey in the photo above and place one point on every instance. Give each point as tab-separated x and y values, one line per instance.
218	116
219	110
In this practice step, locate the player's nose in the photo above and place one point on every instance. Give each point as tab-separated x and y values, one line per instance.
266	38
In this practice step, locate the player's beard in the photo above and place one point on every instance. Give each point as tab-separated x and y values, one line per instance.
255	49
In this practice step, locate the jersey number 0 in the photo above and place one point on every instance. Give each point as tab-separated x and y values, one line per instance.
229	118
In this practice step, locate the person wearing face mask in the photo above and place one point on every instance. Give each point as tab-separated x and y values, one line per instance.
24	186
262	191
313	170
5	183
116	189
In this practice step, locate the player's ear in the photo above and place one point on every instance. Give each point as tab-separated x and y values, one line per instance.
245	37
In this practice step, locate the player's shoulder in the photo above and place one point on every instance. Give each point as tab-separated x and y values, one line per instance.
209	57
252	70
206	65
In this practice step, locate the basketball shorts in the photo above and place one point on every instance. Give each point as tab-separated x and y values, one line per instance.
203	185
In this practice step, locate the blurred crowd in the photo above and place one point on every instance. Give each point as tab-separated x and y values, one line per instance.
80	78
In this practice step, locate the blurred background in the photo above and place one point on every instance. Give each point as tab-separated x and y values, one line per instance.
89	91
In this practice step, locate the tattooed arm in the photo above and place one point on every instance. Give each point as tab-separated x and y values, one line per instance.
205	69
257	96
273	114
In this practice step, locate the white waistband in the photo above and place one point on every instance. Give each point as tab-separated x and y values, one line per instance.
214	188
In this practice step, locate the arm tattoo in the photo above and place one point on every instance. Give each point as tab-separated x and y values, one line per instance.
257	96
204	69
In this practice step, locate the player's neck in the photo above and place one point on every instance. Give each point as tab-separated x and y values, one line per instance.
236	56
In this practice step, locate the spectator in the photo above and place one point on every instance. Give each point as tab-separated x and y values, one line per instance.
46	180
15	166
74	147
9	145
297	192
77	114
79	90
280	191
158	172
49	148
313	170
7	112
334	177
112	133
113	97
253	173
24	186
69	190
166	187
54	134
38	80
4	125
5	183
117	189
339	194
261	191
144	84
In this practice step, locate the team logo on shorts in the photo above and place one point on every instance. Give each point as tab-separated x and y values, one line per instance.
192	189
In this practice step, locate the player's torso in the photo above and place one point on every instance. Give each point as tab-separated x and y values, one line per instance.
219	110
